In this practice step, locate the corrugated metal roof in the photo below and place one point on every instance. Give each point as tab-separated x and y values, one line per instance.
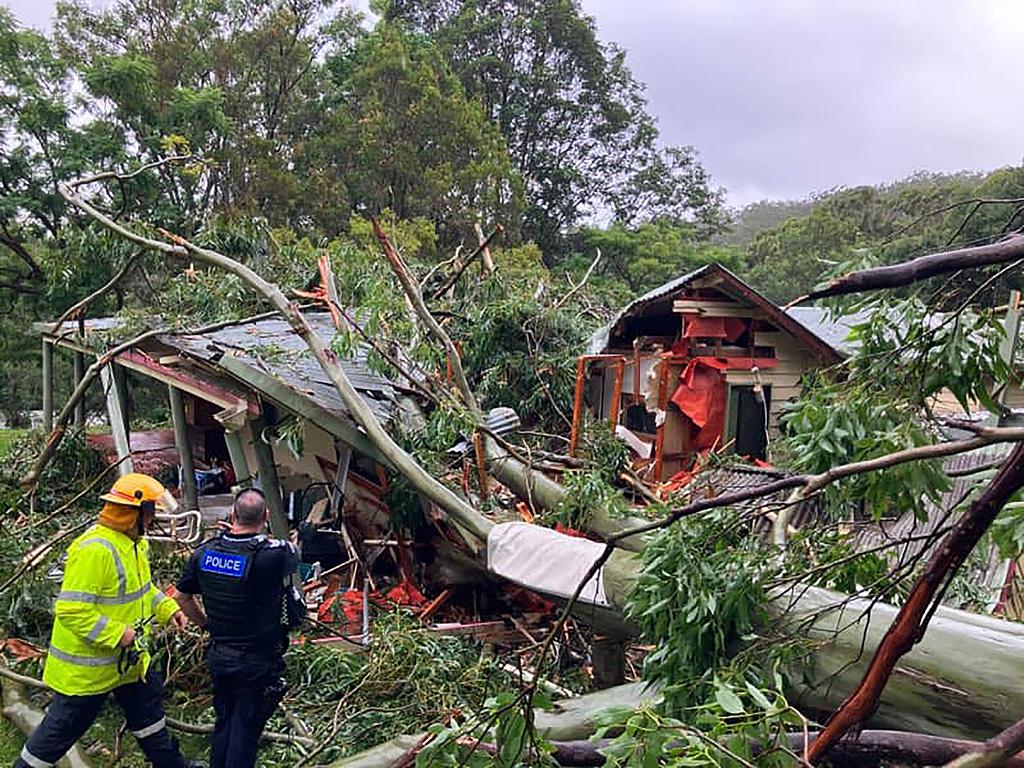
715	481
732	285
599	341
272	347
961	468
832	330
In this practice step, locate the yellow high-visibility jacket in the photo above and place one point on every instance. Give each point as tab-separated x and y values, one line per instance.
106	589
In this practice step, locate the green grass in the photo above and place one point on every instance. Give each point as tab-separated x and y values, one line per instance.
8	436
11	740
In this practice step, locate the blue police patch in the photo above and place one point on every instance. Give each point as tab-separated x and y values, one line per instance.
223	563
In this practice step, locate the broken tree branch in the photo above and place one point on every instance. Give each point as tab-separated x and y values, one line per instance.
921	268
27	718
912	620
995	751
120	177
178	725
580	284
457	272
870	748
80	307
812	484
412	292
180	248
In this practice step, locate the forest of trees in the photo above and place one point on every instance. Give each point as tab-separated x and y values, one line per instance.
305	118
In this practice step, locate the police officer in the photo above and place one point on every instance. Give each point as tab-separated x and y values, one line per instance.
246	582
102	618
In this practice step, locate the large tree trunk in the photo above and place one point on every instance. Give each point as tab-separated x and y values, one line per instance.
548	494
964	679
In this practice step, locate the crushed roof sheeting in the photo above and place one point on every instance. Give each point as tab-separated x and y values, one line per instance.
269	346
962	485
733	478
272	347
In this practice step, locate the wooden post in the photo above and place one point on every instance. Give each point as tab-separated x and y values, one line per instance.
47	386
243	477
343	455
189	496
620	369
577	404
481	466
609	657
268	479
121	382
118	423
659	439
80	405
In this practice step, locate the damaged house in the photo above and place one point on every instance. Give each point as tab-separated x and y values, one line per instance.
248	405
701	363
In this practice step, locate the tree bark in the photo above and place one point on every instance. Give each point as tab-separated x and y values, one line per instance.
996	751
27	718
912	620
922	268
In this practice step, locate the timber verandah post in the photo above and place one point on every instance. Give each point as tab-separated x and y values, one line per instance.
269	482
117	414
47	386
80	405
577	405
189	496
236	453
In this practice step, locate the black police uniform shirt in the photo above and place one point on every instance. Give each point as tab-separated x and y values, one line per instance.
241	579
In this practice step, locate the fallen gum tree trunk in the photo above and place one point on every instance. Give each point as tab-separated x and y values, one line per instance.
964	679
548	494
568	720
27	718
869	749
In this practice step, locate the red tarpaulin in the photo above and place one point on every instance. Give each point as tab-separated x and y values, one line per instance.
701	396
728	328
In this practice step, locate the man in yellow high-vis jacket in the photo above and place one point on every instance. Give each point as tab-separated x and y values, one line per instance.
103	614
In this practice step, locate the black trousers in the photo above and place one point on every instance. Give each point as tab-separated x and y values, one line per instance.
242	702
68	717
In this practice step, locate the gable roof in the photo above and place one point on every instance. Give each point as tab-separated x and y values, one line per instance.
660	299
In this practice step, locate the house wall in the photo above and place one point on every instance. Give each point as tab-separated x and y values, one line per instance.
790	357
785	378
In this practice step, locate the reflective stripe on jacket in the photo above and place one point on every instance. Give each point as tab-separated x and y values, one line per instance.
106	589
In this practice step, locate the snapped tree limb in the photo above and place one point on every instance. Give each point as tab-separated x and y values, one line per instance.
181	248
999	750
912	620
921	268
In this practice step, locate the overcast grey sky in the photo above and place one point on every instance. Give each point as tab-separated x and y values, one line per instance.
787	97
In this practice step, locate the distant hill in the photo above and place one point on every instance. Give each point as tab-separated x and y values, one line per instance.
751	220
789	246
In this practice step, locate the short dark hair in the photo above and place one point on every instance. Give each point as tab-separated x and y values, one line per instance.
250	506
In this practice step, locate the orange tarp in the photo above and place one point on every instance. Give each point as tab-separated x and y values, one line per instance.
701	396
